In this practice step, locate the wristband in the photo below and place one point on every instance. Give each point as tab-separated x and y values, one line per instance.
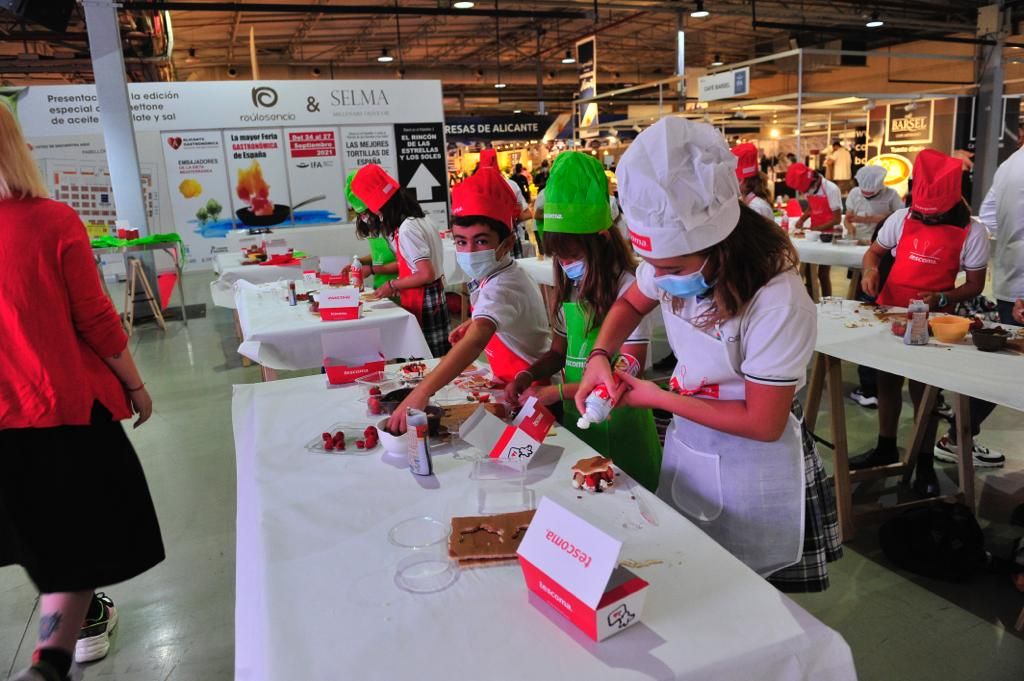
599	351
943	300
561	395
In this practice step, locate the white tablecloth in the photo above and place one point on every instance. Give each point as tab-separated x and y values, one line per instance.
230	268
993	376
818	253
539	270
280	336
315	596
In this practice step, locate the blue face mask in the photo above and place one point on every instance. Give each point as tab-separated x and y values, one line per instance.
574	270
479	264
684	285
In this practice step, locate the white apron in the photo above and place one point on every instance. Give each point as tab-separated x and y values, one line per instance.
747	495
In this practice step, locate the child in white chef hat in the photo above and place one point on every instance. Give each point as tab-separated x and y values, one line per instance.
738	461
870	202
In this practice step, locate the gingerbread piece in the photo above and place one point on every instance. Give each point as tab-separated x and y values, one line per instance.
594	474
481	540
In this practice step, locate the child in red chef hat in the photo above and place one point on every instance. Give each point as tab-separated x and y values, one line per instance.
509	321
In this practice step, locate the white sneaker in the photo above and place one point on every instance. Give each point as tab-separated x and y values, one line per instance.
94	639
864	400
984	457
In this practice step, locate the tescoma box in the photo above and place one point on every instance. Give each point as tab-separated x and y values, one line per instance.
516	441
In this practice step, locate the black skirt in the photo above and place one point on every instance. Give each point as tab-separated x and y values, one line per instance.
75	510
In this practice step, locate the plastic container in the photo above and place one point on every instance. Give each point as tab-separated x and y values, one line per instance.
426	572
419	533
598	407
949	329
812	235
380	380
989	340
917	324
353	433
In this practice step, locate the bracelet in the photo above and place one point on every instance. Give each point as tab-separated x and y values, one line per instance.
394	289
599	351
132	390
528	373
561	394
943	300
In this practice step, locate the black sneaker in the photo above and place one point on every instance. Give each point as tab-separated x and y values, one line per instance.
41	671
926	482
944	409
873	458
94	638
867	401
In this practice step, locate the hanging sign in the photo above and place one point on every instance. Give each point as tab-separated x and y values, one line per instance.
724	85
422	160
586	70
909	127
473	128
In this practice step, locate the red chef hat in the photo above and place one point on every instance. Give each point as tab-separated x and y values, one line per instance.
799	177
485	193
746	160
937	180
489	159
374	186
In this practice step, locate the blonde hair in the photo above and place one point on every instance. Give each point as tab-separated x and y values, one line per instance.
19	174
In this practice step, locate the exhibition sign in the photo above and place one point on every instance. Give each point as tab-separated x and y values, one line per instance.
217	156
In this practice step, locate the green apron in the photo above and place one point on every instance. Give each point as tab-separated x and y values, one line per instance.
381	254
629	437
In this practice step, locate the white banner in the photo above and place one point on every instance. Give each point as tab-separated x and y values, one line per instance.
369	144
725	85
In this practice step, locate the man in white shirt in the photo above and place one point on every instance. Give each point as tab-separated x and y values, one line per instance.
1003	214
841	163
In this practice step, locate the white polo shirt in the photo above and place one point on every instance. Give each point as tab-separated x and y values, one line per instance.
770	342
760	206
511	299
973	255
885	202
1003	214
418	239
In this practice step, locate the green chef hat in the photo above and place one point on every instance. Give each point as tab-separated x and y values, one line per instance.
576	195
353	200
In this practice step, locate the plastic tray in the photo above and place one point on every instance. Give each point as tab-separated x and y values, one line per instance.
352	433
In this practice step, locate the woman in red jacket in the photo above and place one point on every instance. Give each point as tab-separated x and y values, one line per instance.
75	510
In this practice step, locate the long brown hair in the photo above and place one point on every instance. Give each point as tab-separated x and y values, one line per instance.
755	185
755	253
607	257
401	206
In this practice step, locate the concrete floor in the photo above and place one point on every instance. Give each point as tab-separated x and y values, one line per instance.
177	620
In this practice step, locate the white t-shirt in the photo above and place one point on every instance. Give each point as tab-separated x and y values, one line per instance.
418	239
885	202
760	206
770	342
641	334
842	164
973	256
832	191
1003	214
517	190
511	299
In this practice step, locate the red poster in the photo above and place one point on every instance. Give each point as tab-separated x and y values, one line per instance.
317	144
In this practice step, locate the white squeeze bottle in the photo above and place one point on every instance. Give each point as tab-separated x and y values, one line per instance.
598	407
355	273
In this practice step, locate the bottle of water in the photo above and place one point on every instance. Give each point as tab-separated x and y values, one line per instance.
355	273
598	407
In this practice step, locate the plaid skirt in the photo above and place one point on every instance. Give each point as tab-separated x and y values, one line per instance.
434	318
821	524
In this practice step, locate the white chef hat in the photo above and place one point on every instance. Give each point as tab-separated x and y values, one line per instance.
871	179
678	190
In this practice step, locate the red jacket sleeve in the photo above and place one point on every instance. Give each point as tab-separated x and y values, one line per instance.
92	312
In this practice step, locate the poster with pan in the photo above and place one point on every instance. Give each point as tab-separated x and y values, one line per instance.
198	182
258	177
315	174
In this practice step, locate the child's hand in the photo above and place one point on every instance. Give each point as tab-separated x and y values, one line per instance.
869	282
598	370
385	291
366	272
516	388
414	400
639	393
545	394
1018	311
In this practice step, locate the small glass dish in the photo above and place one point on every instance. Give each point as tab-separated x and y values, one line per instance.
421	532
380	380
503	470
426	572
503	496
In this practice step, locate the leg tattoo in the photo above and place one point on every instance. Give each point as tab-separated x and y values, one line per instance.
48	625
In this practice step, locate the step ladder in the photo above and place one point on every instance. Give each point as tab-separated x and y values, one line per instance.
135	277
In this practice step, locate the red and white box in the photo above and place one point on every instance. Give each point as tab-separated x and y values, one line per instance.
516	441
339	303
573	567
275	247
351	354
310	278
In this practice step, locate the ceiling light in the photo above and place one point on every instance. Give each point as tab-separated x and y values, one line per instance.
463	4
384	57
568	58
699	12
718	60
773	133
517	111
875	21
500	85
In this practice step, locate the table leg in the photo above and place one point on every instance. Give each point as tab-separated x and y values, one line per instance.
965	449
129	298
851	292
181	287
923	421
837	411
814	390
267	373
811	275
246	362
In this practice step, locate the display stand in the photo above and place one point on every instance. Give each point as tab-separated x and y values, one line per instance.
826	367
136	275
172	250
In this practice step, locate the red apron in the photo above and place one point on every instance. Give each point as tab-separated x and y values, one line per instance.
505	363
927	260
410	298
821	211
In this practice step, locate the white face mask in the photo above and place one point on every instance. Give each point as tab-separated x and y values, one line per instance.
479	264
